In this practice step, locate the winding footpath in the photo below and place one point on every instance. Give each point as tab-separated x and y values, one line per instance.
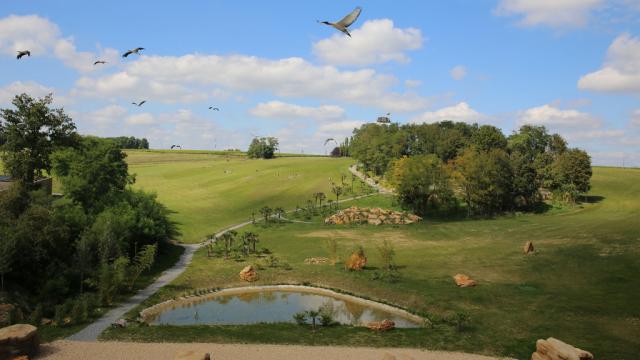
93	331
369	181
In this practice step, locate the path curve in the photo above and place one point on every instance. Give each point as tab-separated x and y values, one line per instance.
369	181
93	330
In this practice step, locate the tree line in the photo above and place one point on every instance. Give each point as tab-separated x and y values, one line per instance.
130	142
436	167
96	239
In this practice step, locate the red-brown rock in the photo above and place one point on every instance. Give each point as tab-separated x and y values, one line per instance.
464	281
249	274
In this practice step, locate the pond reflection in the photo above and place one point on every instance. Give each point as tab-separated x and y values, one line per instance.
272	307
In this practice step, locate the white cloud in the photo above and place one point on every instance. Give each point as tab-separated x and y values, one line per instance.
635	118
377	41
140	119
412	83
195	77
554	13
554	118
282	110
8	92
340	127
461	112
594	135
458	72
43	38
621	70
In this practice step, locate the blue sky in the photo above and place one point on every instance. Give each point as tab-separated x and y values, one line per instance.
571	65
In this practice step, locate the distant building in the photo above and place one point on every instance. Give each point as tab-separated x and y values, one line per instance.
383	120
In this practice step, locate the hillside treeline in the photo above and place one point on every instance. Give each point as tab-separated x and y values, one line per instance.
436	167
130	142
96	239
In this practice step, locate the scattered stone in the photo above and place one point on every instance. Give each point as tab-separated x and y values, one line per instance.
356	261
464	281
192	355
316	260
121	323
383	325
249	274
373	216
528	247
554	349
19	339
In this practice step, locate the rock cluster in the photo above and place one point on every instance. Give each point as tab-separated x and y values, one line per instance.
316	260
383	325
373	216
464	281
528	247
554	349
356	261
249	274
18	339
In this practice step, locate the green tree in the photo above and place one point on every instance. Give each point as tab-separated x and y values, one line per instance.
279	211
489	137
486	180
571	174
94	175
337	190
143	261
526	181
7	252
387	253
266	211
112	277
263	148
227	238
422	183
32	132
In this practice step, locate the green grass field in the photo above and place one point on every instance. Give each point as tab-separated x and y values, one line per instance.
209	192
581	285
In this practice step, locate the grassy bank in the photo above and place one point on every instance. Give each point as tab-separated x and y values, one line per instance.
580	286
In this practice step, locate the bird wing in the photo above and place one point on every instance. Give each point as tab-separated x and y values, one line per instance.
142	102
216	109
351	18
19	55
138	49
129	52
329	139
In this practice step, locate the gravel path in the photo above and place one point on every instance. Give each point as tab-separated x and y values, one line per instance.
369	181
91	332
160	351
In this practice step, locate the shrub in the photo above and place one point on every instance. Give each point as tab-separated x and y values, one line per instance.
286	266
36	315
300	318
326	319
58	317
332	248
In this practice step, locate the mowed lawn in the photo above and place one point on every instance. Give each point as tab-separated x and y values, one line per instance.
209	192
582	285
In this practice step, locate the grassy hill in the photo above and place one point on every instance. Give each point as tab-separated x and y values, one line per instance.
581	285
209	191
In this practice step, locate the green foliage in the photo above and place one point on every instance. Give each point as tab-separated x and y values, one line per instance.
36	315
486	180
143	261
59	315
112	279
570	174
266	211
422	183
332	248
31	133
489	137
94	175
300	318
124	142
387	254
262	148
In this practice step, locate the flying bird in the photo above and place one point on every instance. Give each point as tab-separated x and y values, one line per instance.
214	108
140	103
23	53
99	62
343	24
329	139
133	51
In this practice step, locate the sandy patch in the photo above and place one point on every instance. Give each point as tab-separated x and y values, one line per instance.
160	351
395	237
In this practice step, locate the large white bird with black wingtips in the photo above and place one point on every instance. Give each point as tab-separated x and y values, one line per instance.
133	51
23	53
343	24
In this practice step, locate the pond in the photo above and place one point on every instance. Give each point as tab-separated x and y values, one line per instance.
277	306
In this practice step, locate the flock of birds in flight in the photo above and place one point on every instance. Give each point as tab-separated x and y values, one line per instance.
342	26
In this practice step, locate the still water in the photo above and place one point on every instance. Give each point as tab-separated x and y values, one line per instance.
272	307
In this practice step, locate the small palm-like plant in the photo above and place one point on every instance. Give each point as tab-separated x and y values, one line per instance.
279	211
266	212
313	315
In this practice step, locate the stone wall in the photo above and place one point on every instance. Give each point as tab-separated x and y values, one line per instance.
372	216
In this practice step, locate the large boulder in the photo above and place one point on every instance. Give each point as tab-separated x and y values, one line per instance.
18	339
463	280
249	274
554	349
528	247
356	261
